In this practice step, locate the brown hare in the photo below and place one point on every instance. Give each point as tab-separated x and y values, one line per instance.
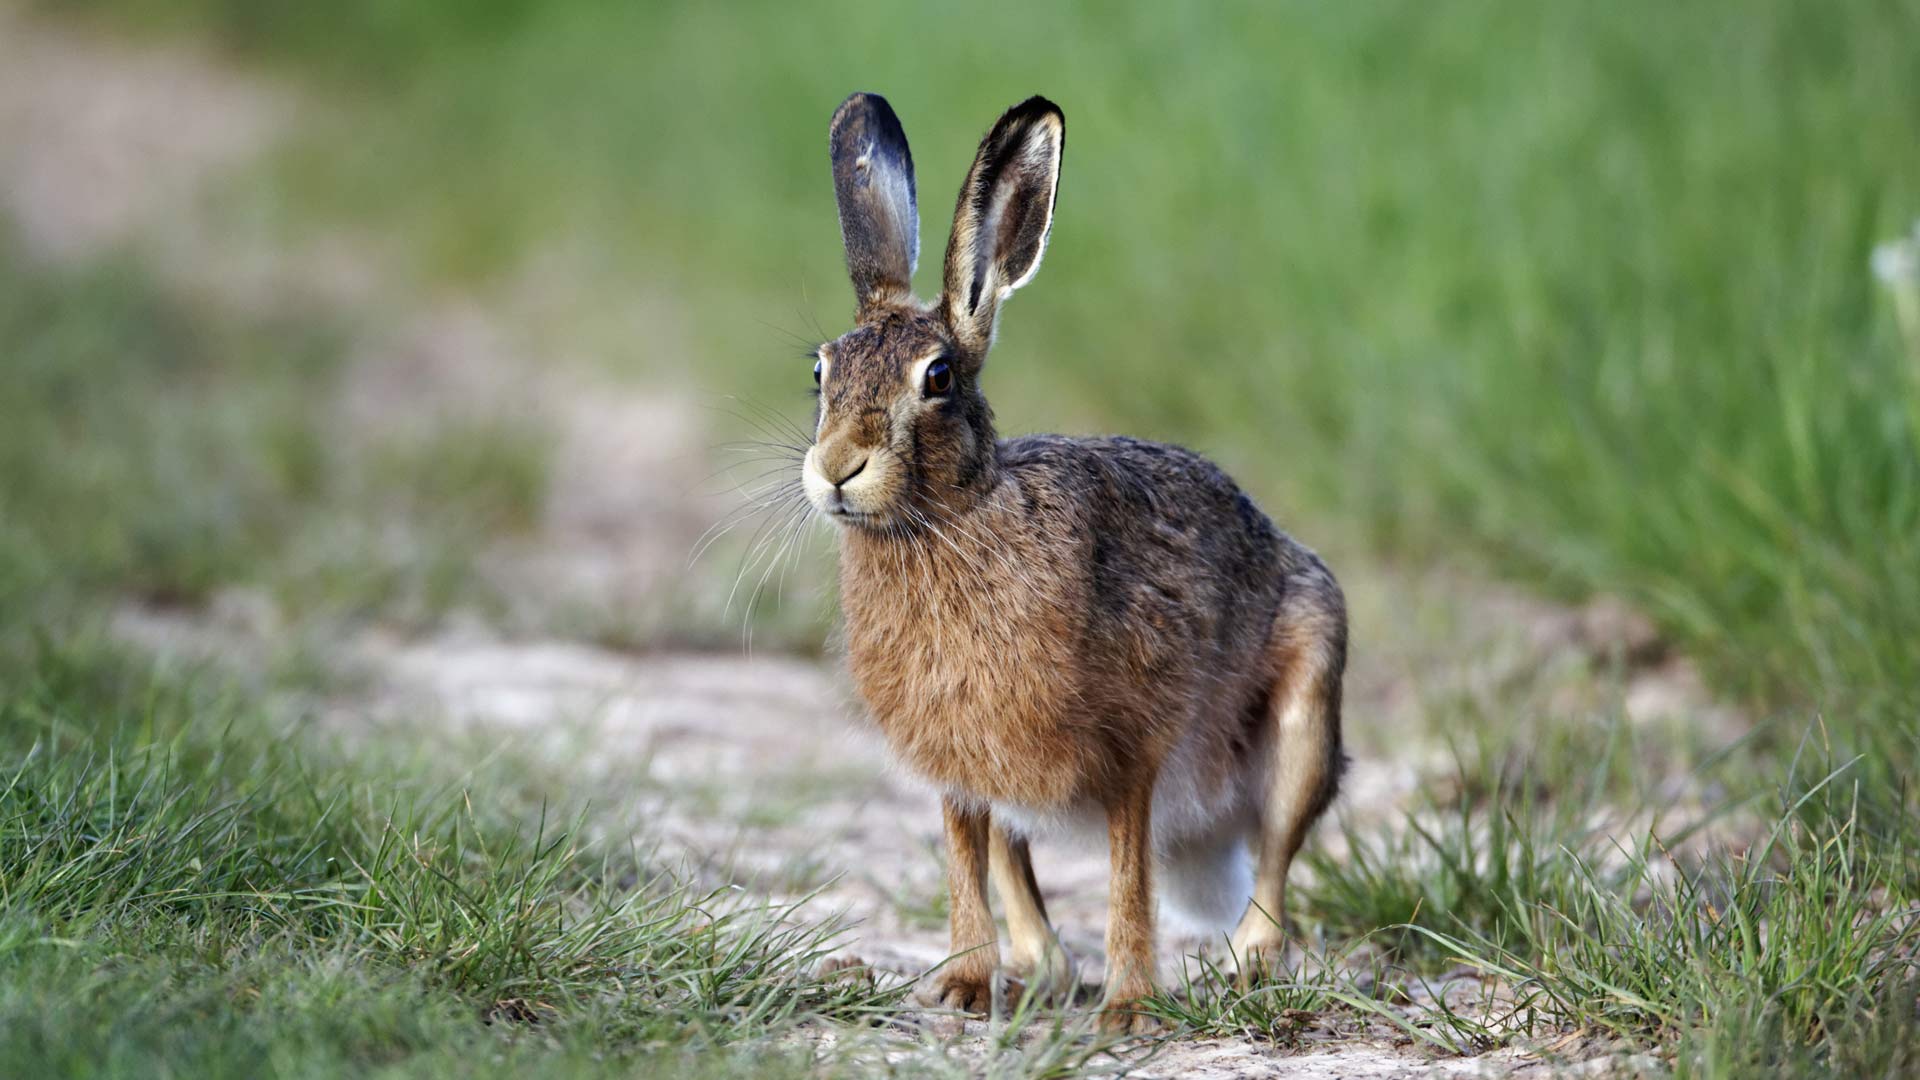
1059	634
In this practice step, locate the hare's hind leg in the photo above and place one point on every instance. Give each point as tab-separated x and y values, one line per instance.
1036	953
1304	759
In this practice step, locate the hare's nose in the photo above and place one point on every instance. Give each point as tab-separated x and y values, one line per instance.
853	472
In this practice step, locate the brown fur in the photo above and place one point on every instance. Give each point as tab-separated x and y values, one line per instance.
1045	625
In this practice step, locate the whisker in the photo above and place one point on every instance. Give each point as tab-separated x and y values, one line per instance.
756	547
793	519
783	468
768	501
773	554
769	422
807	519
739	446
780	421
990	543
927	522
805	343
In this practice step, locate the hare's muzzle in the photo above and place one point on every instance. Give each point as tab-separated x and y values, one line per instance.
841	480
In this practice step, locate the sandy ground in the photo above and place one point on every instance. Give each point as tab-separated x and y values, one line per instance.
752	770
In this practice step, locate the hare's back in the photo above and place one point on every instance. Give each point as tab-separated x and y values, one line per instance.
1167	541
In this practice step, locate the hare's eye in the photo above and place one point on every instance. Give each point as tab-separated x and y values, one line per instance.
816	372
939	377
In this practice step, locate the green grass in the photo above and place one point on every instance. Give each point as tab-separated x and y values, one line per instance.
155	448
119	471
1787	954
1575	293
1792	936
184	892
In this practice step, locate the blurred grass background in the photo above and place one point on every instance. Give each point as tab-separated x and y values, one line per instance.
1577	291
158	449
1574	293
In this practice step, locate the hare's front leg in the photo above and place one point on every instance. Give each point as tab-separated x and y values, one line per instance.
1037	954
1129	911
966	982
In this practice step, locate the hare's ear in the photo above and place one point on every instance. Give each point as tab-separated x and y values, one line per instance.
1006	209
873	180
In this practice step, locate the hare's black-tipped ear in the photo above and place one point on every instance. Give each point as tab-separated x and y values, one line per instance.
873	180
1006	209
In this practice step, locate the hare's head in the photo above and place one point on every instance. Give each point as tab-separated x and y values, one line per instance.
901	418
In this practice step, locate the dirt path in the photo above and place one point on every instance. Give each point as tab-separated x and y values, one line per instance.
754	771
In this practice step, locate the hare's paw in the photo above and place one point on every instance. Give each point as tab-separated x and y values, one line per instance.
1127	1018
962	991
846	967
1258	949
1050	972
